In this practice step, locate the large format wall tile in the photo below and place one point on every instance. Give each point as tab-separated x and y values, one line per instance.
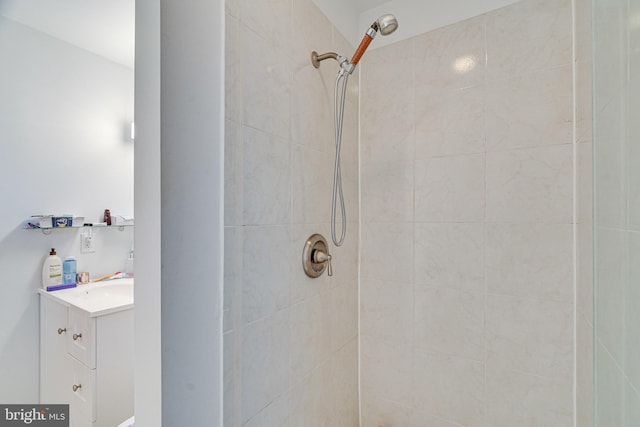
450	388
530	336
610	265
450	122
277	29
381	411
311	31
530	110
452	57
386	307
450	189
387	110
530	260
449	321
311	189
524	400
310	334
276	414
632	314
344	387
233	173
266	182
311	108
528	36
387	191
312	402
264	361
232	58
584	369
387	252
610	390
266	85
386	368
530	185
265	274
450	255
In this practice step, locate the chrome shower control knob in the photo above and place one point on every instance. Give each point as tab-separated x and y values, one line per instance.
315	256
320	257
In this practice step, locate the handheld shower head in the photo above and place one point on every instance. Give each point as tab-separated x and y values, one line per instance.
386	24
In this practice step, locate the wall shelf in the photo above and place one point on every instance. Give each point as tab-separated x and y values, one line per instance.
49	230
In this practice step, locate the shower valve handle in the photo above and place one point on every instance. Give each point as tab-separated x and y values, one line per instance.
320	257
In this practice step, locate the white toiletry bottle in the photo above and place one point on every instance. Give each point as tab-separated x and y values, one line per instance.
52	270
128	265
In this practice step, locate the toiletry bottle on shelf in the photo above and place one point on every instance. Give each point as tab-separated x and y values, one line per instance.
69	270
128	266
52	270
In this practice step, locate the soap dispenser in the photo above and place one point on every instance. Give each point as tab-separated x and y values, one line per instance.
52	270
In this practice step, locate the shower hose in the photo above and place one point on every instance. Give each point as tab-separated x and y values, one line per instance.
338	116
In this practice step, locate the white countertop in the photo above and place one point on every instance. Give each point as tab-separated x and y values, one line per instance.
97	299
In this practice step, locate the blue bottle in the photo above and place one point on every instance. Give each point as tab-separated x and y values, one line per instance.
69	270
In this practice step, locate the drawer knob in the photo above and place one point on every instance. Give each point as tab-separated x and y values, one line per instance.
62	331
76	387
76	336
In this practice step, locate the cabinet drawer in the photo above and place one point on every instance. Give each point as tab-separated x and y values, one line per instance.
83	398
82	337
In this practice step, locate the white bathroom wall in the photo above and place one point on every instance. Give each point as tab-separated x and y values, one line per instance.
148	171
467	270
291	349
64	115
191	156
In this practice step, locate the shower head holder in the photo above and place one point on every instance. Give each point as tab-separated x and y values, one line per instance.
343	61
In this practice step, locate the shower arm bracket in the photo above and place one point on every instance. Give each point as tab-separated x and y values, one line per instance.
344	63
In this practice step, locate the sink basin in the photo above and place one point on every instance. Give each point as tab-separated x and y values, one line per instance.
115	290
97	299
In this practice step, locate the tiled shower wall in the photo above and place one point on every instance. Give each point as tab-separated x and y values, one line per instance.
467	176
290	342
617	212
584	225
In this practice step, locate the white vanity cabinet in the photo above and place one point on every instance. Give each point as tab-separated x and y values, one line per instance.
86	360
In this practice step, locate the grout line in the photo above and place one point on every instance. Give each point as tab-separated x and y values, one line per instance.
574	213
486	285
413	217
359	266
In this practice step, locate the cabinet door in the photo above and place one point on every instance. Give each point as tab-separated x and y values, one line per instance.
82	337
55	368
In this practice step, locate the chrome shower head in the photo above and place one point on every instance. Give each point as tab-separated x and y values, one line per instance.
387	24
